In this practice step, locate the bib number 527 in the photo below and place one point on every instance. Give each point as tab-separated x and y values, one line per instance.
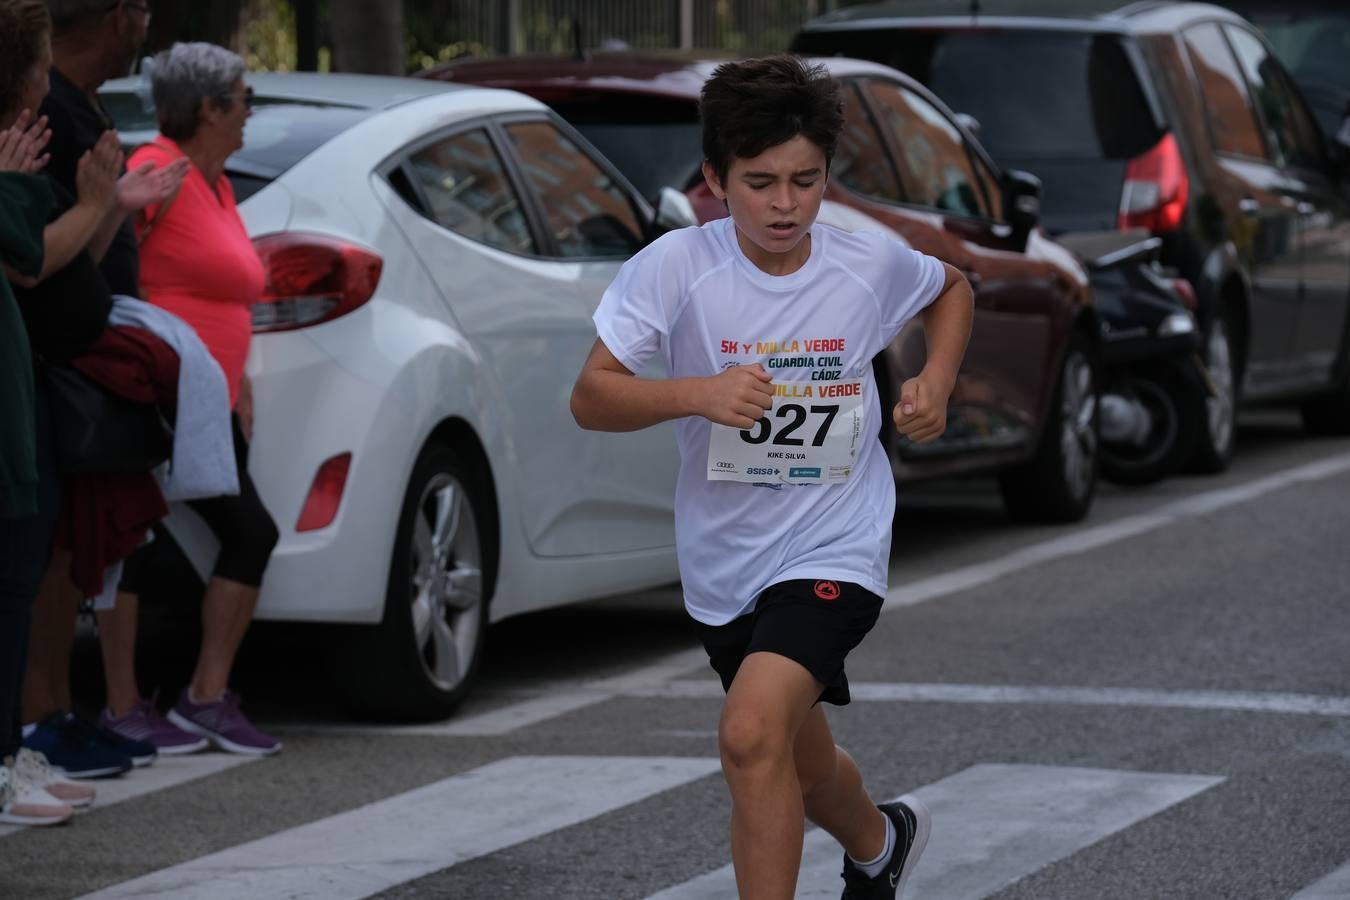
793	416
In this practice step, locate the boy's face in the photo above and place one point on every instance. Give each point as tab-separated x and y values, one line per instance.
773	199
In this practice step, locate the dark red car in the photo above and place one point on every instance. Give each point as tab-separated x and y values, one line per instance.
1025	402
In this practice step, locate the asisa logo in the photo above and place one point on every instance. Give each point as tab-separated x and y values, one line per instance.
827	590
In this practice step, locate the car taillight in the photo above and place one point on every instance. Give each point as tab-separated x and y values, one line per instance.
325	494
1156	189
311	278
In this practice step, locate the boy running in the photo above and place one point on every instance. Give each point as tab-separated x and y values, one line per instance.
768	323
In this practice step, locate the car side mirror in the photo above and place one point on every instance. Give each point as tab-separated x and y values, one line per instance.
1021	203
673	210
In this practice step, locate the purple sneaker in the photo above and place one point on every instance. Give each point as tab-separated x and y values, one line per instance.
144	723
223	723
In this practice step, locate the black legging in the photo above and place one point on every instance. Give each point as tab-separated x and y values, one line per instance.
25	548
241	523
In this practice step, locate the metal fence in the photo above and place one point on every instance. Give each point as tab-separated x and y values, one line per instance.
556	26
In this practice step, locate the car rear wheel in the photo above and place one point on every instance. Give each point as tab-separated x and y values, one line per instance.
420	661
1058	483
1214	450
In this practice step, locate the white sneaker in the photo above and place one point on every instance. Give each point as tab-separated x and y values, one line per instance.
24	805
34	771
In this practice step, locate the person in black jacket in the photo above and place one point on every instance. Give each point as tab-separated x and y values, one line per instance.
66	309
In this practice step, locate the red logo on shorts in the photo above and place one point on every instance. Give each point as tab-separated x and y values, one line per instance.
827	590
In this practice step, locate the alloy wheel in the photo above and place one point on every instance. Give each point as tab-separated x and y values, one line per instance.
1219	407
447	581
1077	430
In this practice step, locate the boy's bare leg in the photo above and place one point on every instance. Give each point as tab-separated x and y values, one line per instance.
769	700
117	641
46	683
833	792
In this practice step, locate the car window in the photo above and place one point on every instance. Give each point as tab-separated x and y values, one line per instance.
1314	46
1232	122
1289	130
1082	99
861	162
588	214
933	153
656	142
467	190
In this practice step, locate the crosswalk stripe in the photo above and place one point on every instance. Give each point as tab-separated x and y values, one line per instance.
375	847
992	825
166	772
1335	886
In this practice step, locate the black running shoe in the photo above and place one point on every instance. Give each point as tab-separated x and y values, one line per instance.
912	823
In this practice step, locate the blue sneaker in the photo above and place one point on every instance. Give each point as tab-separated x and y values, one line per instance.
73	751
141	753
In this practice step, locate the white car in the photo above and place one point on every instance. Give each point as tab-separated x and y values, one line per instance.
435	254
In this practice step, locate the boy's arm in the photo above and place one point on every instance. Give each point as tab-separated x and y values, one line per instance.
608	397
921	414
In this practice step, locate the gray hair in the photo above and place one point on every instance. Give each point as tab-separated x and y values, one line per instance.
68	15
185	75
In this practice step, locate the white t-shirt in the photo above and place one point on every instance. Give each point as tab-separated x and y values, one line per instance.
694	296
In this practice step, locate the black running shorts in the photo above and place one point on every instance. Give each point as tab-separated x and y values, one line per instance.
812	622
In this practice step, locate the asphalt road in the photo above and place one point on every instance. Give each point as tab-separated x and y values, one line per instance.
1152	704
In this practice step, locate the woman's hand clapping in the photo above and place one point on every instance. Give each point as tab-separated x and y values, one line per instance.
147	185
98	171
21	145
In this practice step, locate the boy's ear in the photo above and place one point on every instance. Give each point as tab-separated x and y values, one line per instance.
714	184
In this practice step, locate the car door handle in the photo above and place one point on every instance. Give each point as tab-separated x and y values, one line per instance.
1249	207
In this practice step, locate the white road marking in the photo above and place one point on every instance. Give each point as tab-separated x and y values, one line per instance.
372	848
1239	701
1082	540
992	825
165	772
1335	886
563	698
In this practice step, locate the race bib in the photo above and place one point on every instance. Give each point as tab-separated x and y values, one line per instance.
810	436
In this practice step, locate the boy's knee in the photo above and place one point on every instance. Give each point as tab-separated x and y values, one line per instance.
748	740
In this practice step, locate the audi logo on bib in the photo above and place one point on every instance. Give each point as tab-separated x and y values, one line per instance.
827	590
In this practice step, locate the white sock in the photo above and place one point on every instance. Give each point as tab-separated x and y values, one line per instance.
874	868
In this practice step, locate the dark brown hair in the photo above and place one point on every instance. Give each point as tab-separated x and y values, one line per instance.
751	105
24	25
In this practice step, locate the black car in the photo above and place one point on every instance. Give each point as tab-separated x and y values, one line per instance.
1175	118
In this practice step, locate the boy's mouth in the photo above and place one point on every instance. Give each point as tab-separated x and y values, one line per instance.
782	227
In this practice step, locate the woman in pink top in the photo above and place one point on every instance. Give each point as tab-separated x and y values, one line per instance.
197	262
